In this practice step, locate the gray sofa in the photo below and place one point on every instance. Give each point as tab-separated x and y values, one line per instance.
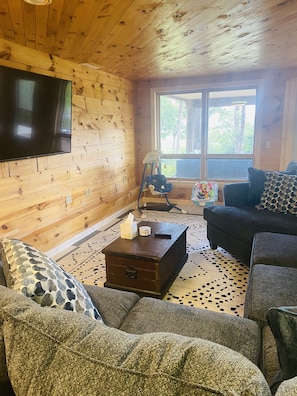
272	283
162	344
247	211
145	346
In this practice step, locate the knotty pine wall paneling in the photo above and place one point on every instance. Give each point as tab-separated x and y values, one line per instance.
99	174
271	109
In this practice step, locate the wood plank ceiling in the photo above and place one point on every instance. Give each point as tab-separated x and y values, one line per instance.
146	39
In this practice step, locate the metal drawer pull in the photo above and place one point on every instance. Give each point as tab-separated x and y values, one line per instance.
131	272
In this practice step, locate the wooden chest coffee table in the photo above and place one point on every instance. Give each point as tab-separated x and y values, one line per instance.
147	265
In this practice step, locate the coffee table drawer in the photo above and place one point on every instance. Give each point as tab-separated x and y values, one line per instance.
131	273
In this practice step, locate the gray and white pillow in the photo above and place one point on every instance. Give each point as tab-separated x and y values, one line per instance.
279	194
39	277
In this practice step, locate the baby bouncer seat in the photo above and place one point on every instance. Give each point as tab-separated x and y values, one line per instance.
153	180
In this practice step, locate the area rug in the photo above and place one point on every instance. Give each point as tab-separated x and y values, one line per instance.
210	279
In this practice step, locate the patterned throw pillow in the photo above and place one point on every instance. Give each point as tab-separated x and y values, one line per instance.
257	178
39	277
279	194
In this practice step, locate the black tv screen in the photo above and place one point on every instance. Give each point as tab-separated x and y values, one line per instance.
35	114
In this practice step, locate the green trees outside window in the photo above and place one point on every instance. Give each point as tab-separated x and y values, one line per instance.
207	133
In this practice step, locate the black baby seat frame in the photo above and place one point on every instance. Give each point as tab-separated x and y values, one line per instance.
153	180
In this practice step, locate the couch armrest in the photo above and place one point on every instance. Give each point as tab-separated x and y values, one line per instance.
236	194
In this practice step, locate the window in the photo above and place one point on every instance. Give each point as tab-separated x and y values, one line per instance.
206	133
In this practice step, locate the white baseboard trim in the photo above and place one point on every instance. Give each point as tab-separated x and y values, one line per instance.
101	224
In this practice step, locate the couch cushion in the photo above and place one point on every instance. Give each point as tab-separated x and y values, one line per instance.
257	178
80	356
279	194
152	315
292	167
113	305
287	388
269	364
283	323
269	286
244	223
39	277
266	249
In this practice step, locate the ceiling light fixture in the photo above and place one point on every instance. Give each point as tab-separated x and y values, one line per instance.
38	2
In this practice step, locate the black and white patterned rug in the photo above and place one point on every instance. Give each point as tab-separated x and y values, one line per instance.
210	279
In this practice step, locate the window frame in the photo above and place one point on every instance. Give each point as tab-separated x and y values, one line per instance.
170	90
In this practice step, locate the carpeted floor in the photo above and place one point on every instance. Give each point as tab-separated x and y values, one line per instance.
210	279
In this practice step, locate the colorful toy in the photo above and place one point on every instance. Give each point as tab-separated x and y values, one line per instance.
205	193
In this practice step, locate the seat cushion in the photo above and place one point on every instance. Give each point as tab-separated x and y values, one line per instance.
287	388
113	305
269	286
152	315
266	249
244	223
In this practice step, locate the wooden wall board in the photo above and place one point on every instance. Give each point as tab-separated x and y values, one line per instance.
80	220
98	175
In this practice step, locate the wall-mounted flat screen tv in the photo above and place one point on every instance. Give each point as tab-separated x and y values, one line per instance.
35	114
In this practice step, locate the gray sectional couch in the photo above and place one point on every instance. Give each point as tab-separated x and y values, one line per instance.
147	346
272	283
170	349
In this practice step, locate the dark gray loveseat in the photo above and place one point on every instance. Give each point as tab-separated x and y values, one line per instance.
234	224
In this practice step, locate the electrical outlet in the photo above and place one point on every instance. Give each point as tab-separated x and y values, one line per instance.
88	192
68	199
